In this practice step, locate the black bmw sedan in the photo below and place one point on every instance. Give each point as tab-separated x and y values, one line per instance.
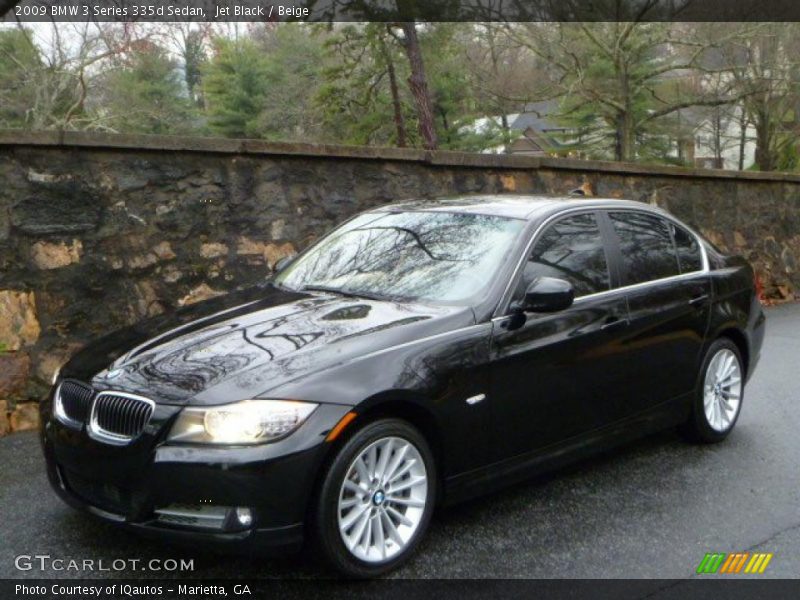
418	355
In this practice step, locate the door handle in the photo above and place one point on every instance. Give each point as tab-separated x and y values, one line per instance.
698	300
613	321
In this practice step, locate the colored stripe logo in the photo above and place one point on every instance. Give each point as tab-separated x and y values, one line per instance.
737	562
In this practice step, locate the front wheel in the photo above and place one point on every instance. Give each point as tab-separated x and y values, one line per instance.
718	398
376	499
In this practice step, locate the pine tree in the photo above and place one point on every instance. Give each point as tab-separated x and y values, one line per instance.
235	86
147	95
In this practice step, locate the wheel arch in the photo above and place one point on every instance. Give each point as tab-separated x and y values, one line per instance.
409	407
399	404
738	337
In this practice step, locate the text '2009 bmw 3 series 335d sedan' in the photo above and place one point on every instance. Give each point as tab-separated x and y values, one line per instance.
420	354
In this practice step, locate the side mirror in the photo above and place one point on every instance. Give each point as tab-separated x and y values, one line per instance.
548	294
282	263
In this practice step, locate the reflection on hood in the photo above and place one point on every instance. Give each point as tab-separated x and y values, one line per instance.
255	346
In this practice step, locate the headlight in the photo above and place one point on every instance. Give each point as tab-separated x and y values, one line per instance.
245	422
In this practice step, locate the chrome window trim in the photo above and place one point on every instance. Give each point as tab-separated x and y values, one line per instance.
501	312
635	286
58	407
96	432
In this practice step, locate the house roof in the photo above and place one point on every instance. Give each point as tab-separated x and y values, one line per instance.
536	116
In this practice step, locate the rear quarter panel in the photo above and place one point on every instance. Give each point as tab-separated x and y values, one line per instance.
736	306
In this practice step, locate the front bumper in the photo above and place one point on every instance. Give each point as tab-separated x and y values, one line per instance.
268	541
127	485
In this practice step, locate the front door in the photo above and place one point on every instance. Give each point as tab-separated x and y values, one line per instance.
555	376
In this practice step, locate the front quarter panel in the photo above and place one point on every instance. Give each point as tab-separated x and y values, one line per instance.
436	374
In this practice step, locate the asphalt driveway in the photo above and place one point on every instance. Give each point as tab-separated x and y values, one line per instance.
651	509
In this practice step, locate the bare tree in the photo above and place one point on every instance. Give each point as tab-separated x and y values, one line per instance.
614	72
766	70
505	75
56	89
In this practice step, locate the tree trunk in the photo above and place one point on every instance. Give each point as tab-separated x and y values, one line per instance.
743	124
626	132
506	133
765	160
445	123
626	138
505	127
399	122
419	86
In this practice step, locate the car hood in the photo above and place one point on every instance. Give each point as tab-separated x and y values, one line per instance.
244	344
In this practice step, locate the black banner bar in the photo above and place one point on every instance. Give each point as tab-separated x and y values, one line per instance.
610	589
403	10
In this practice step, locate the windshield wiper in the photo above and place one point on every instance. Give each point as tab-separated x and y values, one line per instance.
346	293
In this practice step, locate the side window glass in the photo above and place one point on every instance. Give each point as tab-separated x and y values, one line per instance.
648	252
690	257
570	249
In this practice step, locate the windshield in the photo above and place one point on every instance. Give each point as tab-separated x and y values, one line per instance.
440	257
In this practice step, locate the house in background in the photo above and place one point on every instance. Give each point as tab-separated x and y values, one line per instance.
537	135
710	138
700	137
719	143
532	132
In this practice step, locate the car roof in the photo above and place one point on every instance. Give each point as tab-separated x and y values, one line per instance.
527	207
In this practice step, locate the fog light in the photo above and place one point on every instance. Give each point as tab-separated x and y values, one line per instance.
244	516
203	516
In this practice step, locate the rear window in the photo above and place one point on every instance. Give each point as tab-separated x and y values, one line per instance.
648	252
690	257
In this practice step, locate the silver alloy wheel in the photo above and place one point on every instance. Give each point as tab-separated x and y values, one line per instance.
382	499
722	390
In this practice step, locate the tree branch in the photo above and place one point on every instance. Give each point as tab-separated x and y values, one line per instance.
690	103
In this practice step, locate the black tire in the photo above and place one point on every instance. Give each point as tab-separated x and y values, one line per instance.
698	428
324	519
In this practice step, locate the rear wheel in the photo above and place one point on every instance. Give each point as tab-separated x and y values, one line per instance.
718	397
376	499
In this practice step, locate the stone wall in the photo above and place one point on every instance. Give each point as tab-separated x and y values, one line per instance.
98	231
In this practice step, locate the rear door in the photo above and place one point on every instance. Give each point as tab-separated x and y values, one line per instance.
667	286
